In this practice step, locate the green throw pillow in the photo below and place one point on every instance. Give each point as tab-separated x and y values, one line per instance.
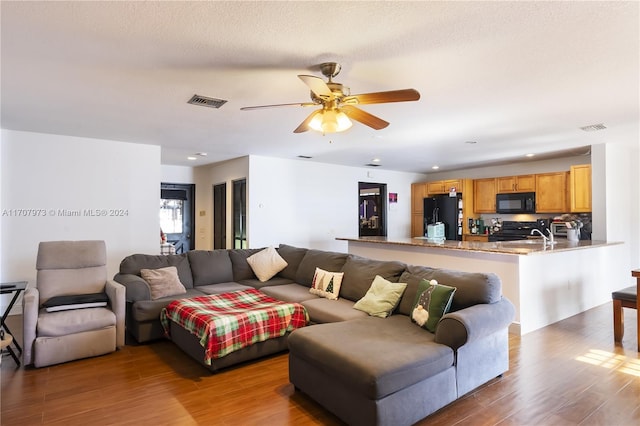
432	302
382	297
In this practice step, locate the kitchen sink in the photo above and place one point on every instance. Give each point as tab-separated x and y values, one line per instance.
521	242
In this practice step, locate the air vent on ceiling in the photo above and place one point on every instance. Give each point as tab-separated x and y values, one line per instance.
306	157
373	165
593	127
206	101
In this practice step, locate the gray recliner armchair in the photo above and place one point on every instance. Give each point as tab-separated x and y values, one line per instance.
66	315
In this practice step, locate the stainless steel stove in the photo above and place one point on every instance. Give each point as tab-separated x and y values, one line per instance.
512	230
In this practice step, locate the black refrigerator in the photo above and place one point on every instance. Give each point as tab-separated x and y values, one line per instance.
445	209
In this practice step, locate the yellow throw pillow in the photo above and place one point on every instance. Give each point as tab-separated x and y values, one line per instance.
382	298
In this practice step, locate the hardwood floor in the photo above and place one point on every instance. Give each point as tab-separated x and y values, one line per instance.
569	373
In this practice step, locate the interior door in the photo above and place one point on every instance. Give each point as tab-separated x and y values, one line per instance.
239	214
220	216
372	209
177	214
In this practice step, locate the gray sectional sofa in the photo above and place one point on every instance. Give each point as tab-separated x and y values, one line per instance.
367	370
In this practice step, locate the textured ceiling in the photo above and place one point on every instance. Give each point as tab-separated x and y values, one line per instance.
515	77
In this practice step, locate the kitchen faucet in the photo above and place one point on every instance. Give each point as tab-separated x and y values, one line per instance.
547	240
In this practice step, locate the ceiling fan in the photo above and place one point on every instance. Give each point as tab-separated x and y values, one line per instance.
337	104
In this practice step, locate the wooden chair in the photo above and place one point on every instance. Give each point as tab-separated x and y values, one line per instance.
625	298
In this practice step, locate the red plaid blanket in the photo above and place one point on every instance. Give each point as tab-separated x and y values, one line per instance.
230	321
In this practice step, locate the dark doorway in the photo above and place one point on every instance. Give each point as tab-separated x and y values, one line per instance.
220	216
177	214
372	209
240	214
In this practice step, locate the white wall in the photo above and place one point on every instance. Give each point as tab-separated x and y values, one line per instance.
301	203
634	227
177	174
3	300
44	175
599	192
617	205
309	204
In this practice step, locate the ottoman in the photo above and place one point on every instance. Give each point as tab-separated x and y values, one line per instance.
225	329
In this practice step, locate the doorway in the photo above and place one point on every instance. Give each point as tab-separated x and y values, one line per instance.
239	214
372	215
177	214
220	216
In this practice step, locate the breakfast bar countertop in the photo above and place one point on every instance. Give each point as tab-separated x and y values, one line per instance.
519	247
545	283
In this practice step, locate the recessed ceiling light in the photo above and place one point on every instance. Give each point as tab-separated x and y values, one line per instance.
201	154
375	160
192	158
471	142
530	155
435	167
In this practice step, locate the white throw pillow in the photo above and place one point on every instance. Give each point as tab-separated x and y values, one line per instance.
266	263
326	284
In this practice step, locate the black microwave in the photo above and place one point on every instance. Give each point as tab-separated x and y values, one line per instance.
519	202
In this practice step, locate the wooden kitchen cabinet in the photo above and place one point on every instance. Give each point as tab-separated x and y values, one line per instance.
417	225
580	188
418	192
522	183
483	238
484	195
444	186
551	192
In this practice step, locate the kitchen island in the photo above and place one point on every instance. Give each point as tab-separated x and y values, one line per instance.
545	283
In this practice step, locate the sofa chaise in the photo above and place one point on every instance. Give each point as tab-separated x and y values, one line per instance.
365	369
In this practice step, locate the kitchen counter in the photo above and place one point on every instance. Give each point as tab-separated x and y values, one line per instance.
531	246
545	283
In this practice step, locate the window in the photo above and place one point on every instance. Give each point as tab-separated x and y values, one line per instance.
171	213
177	214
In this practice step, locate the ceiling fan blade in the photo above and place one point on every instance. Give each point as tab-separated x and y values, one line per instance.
302	104
404	95
317	86
304	126
364	117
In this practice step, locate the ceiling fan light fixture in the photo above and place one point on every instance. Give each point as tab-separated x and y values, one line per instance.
330	121
343	121
316	121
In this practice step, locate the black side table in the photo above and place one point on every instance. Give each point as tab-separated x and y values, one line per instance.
14	288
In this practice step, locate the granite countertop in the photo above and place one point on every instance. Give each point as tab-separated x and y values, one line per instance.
519	247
